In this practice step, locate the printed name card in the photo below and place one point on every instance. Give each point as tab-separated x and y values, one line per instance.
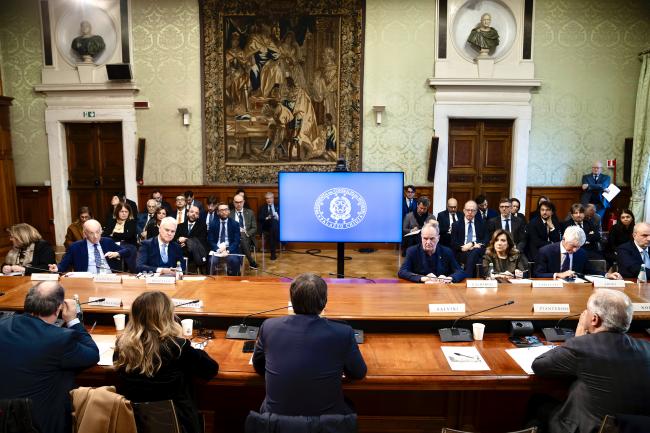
108	278
551	308
160	280
539	284
107	302
641	306
185	303
45	277
446	308
603	282
481	283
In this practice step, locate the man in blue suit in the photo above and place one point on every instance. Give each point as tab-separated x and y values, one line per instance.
429	261
94	254
224	237
303	356
39	360
145	217
161	254
565	259
409	203
593	187
468	239
632	254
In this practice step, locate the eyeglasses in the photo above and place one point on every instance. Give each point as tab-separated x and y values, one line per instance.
471	210
410	192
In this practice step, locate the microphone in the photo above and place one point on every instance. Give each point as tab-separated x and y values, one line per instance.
245	332
560	334
360	277
187	303
92	302
454	334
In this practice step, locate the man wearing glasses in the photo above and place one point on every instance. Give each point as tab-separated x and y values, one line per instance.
247	227
409	204
468	238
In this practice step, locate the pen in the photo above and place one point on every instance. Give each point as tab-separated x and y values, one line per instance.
93	327
466	356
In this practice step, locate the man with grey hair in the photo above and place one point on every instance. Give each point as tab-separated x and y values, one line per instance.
565	259
611	370
268	217
40	360
160	254
594	185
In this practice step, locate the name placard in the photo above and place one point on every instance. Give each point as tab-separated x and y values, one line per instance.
177	302
45	277
108	278
481	283
603	282
446	308
160	280
545	284
551	308
641	306
107	302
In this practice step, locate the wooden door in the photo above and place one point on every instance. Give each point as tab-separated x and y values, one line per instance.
35	208
95	165
479	159
8	207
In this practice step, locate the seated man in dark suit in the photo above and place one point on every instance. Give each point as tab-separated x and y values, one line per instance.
269	222
631	255
565	259
429	261
224	238
414	221
160	254
542	230
94	254
468	239
190	201
157	195
304	356
39	360
247	227
148	215
510	223
594	185
577	218
610	370
446	219
484	213
409	203
192	235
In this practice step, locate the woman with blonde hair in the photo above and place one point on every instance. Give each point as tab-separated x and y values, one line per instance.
504	256
154	362
30	253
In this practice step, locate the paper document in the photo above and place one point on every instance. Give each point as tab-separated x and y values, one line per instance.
106	346
525	281
526	355
79	275
613	192
464	358
415	232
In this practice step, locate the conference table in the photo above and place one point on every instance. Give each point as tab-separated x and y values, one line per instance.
409	387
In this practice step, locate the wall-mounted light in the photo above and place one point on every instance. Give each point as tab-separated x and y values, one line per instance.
378	109
186	115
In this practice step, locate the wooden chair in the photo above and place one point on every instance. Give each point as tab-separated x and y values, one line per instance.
156	417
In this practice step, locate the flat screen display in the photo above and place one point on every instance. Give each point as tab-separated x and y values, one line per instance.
341	207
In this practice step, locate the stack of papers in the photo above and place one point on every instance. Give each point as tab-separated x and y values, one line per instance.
526	355
106	346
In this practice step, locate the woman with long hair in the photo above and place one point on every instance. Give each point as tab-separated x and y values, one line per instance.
30	253
123	229
154	362
76	229
620	233
152	229
504	256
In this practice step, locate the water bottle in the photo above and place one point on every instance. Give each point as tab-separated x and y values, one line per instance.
643	277
491	271
80	314
179	270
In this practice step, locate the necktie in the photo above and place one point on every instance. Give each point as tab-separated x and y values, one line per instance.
189	227
566	262
98	258
179	216
547	231
507	225
240	220
270	210
453	215
222	235
646	258
470	233
163	253
595	178
210	219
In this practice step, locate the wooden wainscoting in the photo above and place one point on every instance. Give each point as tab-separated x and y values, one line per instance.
564	196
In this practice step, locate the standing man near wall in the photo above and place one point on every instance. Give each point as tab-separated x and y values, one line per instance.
593	187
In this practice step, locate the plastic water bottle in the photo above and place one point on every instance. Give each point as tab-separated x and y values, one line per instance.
80	314
643	277
179	270
491	271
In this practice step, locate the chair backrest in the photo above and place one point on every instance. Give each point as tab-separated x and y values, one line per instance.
273	423
598	265
16	416
156	417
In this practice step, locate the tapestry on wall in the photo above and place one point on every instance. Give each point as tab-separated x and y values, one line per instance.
281	87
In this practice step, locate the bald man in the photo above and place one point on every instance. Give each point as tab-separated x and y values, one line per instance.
160	254
632	254
593	187
93	254
446	219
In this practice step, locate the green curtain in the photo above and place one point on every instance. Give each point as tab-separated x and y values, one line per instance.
641	152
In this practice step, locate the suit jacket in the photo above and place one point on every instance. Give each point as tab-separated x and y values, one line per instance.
445	226
517	230
591	233
264	212
250	222
234	236
610	373
629	260
142	221
77	255
406	208
199	232
411	222
418	264
458	233
39	361
303	358
594	192
548	262
130	235
491	213
537	236
198	204
149	259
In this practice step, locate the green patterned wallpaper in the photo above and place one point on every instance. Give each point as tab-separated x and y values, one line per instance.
20	43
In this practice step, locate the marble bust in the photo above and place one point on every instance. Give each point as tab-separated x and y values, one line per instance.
87	45
484	38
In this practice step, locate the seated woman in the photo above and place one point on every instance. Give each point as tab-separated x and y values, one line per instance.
152	229
620	233
504	256
154	362
123	230
75	230
30	253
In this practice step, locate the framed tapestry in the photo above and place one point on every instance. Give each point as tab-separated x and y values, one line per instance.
282	87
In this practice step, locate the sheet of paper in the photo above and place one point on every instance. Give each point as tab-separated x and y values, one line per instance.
413	233
106	346
525	281
464	358
525	356
79	275
193	278
613	192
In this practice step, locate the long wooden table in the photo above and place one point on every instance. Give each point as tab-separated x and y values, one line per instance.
409	387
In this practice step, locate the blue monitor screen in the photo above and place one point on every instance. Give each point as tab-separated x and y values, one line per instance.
341	207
